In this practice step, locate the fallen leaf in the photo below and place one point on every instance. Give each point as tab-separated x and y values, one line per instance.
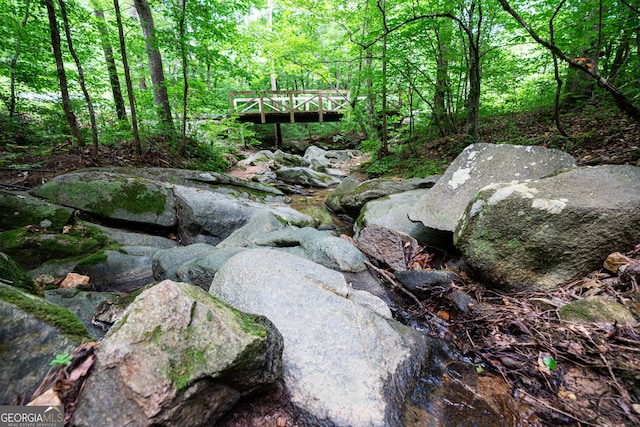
566	394
48	398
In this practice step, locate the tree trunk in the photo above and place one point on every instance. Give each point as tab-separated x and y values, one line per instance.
440	116
92	114
473	99
14	62
183	58
384	137
127	74
116	89
160	95
62	76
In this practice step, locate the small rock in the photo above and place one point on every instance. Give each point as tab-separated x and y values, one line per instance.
73	280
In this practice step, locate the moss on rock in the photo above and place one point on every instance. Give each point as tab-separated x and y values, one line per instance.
596	310
11	273
47	312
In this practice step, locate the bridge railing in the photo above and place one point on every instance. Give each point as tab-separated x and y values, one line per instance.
269	102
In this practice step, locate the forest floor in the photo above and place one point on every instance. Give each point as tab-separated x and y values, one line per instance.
596	380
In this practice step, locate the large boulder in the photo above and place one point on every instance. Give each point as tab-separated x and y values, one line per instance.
347	185
196	264
210	181
477	166
21	209
115	260
112	196
178	357
317	158
32	332
307	177
282	159
33	247
346	361
541	234
210	217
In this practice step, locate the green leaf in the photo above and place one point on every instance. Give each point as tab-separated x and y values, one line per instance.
549	362
61	359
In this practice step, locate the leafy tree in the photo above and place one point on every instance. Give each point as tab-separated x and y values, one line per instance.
62	76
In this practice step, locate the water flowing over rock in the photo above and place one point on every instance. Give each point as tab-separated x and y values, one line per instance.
542	234
346	362
477	166
178	357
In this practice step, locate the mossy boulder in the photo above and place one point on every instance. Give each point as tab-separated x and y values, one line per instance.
21	209
180	357
32	332
113	196
33	246
12	274
597	309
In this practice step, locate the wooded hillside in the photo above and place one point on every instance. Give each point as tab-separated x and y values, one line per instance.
151	74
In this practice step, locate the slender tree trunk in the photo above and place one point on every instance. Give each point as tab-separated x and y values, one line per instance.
92	114
160	94
473	99
14	62
183	57
62	76
556	73
127	74
114	80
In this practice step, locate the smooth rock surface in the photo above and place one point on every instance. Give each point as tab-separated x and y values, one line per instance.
346	361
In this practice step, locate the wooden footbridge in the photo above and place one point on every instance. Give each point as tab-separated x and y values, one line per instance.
281	106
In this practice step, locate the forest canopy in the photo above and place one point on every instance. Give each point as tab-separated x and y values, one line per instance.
98	73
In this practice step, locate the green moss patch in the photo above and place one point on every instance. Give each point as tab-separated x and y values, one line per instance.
107	195
596	310
34	246
51	314
12	274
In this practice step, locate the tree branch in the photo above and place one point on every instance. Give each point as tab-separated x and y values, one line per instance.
620	99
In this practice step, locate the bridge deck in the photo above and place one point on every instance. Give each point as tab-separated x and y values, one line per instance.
290	106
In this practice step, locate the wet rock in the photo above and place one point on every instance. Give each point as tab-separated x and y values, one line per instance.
422	282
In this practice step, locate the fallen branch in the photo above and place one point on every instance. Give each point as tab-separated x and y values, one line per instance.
393	283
